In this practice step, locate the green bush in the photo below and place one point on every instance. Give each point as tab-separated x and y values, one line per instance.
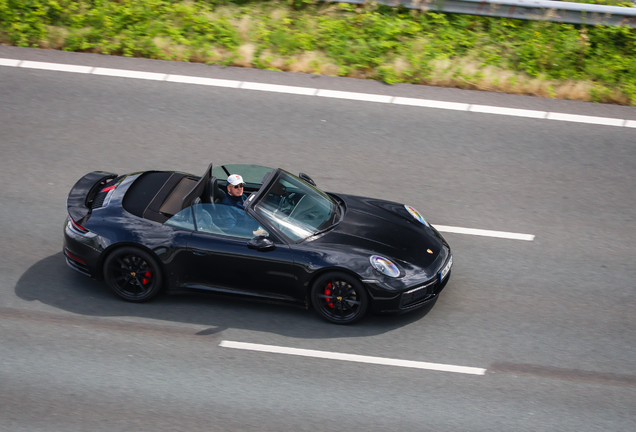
390	44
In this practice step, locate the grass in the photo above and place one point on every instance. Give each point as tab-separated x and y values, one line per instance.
589	63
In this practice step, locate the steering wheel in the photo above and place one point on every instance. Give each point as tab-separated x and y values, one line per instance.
286	204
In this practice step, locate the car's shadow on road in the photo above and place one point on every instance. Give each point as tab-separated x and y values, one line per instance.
52	282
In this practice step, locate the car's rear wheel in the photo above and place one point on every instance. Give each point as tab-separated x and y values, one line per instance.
339	298
133	274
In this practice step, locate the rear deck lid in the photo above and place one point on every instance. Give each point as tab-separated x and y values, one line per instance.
83	192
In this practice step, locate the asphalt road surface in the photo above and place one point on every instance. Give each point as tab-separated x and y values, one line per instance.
550	320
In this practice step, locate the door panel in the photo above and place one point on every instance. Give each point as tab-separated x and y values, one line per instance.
227	263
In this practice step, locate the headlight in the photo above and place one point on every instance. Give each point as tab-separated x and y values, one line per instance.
384	266
416	215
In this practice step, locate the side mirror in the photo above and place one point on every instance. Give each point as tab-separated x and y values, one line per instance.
308	179
261	244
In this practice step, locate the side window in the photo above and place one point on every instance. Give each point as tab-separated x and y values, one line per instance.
183	219
226	220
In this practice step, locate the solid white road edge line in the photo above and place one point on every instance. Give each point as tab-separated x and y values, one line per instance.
308	91
365	97
275	88
184	79
484	233
586	119
486	109
352	358
10	62
60	67
426	103
124	73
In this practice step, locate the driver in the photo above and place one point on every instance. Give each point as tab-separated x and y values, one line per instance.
236	217
235	196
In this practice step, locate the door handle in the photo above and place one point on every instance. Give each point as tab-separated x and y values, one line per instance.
198	252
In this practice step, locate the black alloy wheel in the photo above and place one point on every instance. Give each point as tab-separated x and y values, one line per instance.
339	298
133	274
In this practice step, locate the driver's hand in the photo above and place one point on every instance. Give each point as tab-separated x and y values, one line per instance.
260	232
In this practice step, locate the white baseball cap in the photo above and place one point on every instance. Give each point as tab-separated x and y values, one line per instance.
235	179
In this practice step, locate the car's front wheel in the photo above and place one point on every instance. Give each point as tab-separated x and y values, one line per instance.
133	274
339	298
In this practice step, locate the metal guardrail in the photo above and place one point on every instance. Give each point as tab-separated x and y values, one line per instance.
537	10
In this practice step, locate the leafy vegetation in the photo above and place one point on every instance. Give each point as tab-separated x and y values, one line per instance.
391	44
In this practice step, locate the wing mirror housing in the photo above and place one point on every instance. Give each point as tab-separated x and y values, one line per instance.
308	179
261	244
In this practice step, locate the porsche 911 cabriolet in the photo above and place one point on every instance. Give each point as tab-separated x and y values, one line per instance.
343	255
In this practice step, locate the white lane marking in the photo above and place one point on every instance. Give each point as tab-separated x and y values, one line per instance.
352	358
60	67
10	62
366	97
123	73
203	81
486	109
586	119
305	91
427	103
484	233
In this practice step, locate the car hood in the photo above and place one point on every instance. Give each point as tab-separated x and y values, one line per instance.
386	228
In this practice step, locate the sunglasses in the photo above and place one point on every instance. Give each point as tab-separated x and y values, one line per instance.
238	186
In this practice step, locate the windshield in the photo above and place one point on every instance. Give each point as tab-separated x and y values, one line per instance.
297	209
253	174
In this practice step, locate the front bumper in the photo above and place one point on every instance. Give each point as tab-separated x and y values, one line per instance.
411	298
407	302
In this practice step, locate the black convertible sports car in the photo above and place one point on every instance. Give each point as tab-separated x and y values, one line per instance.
341	254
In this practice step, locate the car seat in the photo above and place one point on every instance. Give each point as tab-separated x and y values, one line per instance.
214	193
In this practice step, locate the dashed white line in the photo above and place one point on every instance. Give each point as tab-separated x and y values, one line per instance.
484	233
353	358
308	91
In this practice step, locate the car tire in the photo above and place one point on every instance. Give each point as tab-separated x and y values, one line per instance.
339	298
133	274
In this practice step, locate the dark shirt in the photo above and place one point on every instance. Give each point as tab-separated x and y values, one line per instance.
236	201
235	219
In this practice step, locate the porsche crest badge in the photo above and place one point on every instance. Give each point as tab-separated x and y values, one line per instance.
429	251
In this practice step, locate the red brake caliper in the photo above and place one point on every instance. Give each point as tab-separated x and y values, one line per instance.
146	278
328	293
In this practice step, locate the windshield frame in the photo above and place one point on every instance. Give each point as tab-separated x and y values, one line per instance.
253	202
